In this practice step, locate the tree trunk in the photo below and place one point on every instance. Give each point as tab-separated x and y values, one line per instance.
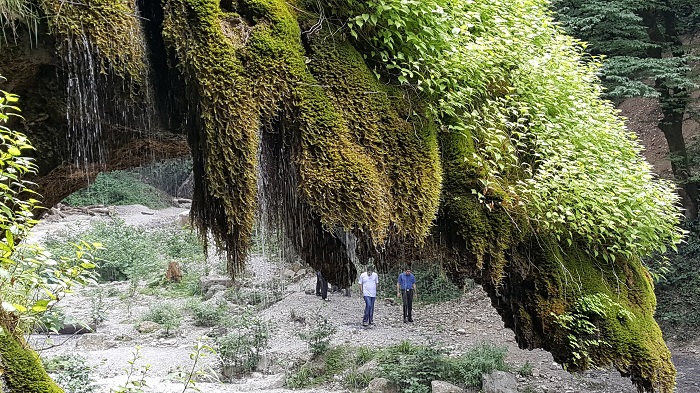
20	367
672	127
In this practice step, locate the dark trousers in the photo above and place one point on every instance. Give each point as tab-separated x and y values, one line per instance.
407	297
369	310
321	286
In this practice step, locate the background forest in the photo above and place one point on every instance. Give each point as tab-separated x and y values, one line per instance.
651	50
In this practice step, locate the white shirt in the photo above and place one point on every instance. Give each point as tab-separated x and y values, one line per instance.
369	284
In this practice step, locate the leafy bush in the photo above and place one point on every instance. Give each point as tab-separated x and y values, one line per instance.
166	315
363	355
355	380
433	286
301	379
72	373
130	252
533	112
206	314
412	368
318	337
483	359
240	349
119	188
38	279
166	175
526	369
333	364
180	244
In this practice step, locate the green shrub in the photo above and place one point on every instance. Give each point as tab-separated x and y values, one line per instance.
412	368
166	315
240	349
72	373
332	365
130	252
526	369
433	286
126	250
206	314
98	309
301	379
363	355
483	359
356	380
119	188
180	244
166	175
318	337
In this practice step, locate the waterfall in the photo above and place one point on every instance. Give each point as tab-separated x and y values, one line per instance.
104	105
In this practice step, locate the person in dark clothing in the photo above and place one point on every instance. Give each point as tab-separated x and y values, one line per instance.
321	286
406	288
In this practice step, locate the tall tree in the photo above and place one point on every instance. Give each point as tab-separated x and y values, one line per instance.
647	50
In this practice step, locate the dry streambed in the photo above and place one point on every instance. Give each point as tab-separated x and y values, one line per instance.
277	296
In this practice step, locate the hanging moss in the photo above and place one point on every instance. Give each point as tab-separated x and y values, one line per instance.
224	133
606	319
363	161
21	369
112	26
402	146
246	68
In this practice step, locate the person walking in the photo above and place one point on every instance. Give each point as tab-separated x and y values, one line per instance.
406	288
369	282
321	286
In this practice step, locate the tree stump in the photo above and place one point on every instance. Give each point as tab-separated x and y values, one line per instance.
174	273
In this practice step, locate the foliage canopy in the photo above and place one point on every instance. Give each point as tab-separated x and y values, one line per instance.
545	144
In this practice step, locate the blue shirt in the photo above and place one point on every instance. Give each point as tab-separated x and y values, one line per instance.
406	281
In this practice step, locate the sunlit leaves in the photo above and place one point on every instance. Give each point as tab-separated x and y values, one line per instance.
547	146
31	279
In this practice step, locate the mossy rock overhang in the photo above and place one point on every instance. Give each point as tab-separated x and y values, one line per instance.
361	168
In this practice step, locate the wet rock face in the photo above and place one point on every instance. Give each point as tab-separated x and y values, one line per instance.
30	68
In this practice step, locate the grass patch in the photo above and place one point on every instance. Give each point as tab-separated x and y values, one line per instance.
131	252
409	367
119	188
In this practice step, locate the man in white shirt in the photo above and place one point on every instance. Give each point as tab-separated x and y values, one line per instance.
369	281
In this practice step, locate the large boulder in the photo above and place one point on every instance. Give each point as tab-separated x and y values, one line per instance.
444	387
499	382
382	385
206	282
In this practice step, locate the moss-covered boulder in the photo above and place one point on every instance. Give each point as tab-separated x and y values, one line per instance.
21	369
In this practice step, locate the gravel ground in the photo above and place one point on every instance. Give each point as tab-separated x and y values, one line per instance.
457	326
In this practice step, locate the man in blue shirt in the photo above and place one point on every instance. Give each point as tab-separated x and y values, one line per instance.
406	288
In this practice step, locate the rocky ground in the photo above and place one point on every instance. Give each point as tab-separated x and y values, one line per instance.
456	325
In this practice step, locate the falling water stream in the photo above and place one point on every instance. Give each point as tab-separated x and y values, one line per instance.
101	104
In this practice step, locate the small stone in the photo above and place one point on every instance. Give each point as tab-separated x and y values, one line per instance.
147	327
444	387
